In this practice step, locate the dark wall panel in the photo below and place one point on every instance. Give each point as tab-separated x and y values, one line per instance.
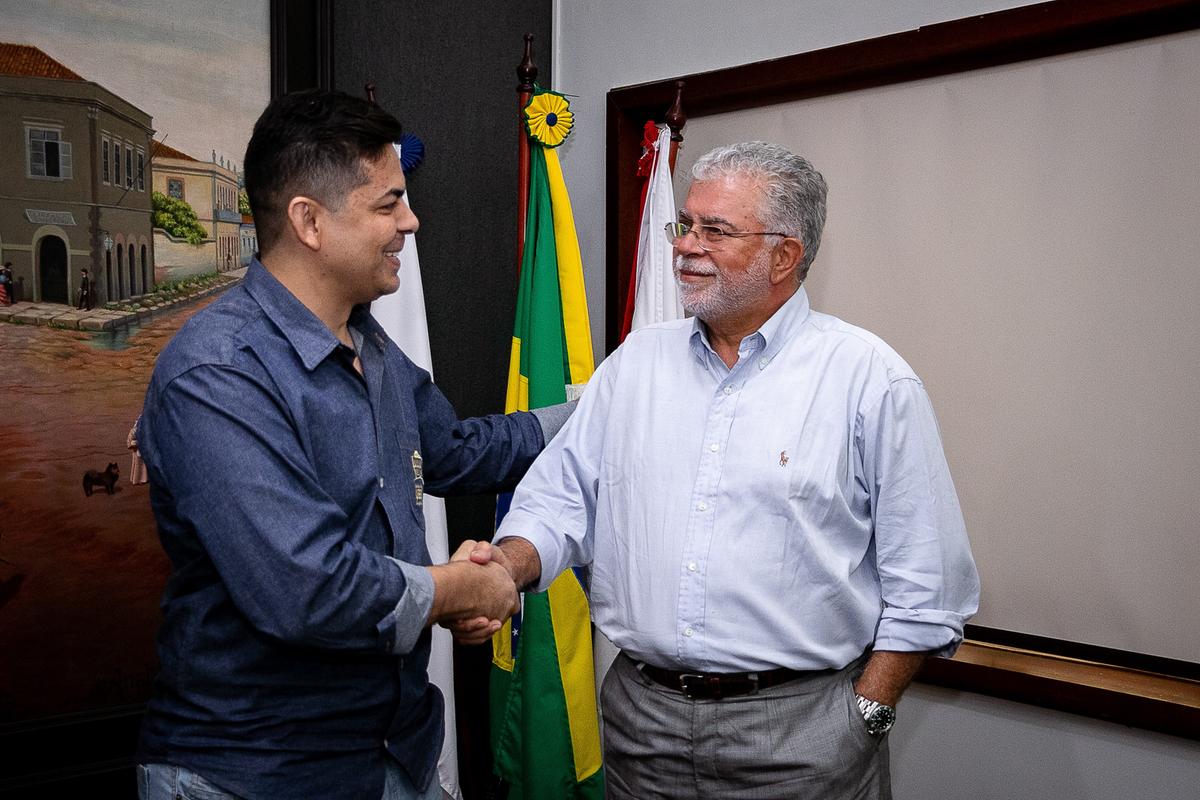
447	70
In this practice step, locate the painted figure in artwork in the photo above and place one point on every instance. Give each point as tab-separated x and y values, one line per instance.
137	467
6	287
85	292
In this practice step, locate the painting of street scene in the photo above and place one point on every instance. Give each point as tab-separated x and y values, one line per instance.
122	213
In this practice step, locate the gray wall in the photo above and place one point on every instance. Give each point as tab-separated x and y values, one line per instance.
947	744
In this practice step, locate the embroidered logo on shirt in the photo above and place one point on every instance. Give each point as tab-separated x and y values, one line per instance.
418	477
783	458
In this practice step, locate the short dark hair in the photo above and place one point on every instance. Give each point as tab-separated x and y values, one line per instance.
311	143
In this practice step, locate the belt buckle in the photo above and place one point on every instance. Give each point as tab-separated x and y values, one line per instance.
685	686
692	683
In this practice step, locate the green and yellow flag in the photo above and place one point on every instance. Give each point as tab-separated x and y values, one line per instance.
545	731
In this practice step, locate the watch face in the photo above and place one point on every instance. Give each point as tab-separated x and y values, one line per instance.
881	720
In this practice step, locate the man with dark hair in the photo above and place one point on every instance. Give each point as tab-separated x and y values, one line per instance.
775	541
289	444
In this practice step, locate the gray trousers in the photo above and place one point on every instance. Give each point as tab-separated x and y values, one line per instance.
168	782
803	739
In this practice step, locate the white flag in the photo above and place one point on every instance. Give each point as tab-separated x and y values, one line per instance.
657	295
402	315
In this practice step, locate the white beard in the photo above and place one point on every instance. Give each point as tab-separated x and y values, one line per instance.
730	294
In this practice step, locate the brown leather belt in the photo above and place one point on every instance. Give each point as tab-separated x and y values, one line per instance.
715	685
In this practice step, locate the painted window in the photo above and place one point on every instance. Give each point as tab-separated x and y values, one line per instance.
175	188
141	170
128	167
49	155
104	159
116	163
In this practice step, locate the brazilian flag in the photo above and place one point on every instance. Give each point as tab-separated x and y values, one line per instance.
545	730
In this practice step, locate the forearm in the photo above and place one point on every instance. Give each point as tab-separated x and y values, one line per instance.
522	560
477	455
887	674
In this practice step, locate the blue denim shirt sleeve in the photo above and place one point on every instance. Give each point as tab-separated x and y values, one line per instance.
408	619
245	485
477	455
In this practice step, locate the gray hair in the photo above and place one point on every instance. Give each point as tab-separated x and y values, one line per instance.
795	192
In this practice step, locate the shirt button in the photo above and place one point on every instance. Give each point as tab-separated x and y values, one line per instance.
714	447
691	566
762	362
381	482
728	390
688	631
701	506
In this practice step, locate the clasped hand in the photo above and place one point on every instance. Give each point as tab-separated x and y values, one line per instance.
496	598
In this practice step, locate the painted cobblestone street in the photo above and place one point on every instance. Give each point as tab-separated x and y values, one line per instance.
80	576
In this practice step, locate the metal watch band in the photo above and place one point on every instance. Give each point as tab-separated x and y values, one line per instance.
879	717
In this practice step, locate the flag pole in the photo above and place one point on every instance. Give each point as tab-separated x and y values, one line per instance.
526	74
675	120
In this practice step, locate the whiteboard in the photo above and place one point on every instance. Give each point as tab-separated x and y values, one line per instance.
1026	236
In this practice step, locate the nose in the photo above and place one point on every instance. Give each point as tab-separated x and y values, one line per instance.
406	220
689	244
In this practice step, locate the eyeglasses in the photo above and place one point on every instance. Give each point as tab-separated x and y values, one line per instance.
710	238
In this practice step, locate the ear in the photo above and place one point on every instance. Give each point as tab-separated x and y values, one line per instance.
785	260
305	220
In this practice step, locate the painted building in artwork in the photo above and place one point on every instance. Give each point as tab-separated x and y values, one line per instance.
211	189
75	180
249	240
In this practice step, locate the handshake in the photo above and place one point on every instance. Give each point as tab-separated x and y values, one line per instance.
477	590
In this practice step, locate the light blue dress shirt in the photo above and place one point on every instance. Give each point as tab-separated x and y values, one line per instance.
788	512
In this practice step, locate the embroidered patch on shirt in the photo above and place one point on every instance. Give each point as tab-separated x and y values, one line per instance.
418	477
783	458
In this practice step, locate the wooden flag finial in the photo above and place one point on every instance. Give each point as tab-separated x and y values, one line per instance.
527	71
675	118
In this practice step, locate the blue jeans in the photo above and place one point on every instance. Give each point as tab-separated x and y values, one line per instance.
166	782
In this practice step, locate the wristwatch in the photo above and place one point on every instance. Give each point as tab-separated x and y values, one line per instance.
879	718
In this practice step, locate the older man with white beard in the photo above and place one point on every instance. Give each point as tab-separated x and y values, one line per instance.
761	491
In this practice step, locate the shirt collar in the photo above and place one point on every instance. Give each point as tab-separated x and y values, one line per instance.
309	337
781	326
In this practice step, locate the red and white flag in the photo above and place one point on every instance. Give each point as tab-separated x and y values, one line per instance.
653	291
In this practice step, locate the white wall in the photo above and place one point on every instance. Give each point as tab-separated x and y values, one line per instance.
948	744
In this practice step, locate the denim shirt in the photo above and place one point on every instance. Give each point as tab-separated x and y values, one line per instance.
287	489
